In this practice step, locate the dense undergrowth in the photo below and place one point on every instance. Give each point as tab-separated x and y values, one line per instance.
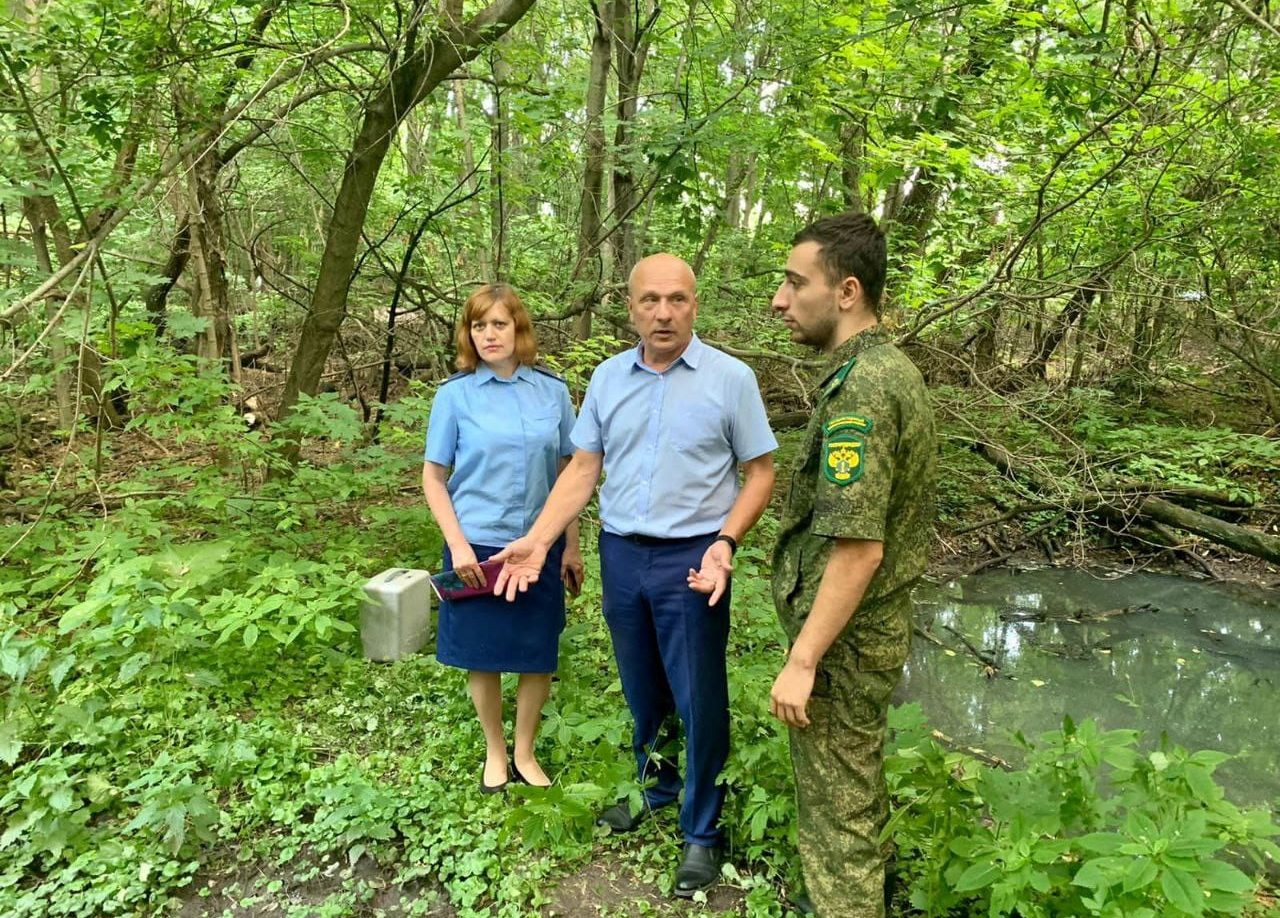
183	684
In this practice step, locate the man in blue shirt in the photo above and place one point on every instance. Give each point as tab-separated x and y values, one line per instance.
669	423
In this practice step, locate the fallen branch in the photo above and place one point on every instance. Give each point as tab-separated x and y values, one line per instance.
1005	517
980	754
788	420
1240	538
1139	506
1186	492
986	660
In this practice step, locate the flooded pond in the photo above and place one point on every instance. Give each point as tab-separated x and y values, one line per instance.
1195	660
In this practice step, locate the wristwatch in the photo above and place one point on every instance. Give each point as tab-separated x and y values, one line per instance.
728	540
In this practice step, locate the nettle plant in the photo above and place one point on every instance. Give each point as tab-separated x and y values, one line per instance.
1092	825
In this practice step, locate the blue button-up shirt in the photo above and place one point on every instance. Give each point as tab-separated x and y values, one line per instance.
672	441
504	439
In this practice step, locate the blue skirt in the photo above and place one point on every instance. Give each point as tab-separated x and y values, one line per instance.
488	634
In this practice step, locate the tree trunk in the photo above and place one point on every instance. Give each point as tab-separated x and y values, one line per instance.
467	173
158	294
411	80
852	135
984	348
730	213
916	214
499	128
1071	314
630	49
741	165
1235	537
45	219
1129	505
589	265
217	344
34	212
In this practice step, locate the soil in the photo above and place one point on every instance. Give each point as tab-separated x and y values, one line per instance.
606	886
303	887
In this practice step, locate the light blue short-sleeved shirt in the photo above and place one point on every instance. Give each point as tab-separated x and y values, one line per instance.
672	441
503	438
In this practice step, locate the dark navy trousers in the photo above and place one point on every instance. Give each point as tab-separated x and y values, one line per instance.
670	647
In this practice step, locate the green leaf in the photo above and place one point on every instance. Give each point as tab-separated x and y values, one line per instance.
250	635
81	612
1182	891
1217	875
10	745
62	799
271	603
59	669
977	876
132	666
1101	842
1141	873
1092	875
175	820
1209	758
1201	782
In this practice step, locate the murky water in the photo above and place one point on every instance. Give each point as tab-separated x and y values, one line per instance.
1199	661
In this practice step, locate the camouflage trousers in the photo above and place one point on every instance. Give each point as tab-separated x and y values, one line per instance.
840	791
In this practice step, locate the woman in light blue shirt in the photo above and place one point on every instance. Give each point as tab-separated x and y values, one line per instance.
497	438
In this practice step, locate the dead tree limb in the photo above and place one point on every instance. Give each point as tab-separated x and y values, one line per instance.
1131	507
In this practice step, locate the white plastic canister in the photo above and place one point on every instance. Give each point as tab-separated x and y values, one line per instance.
395	617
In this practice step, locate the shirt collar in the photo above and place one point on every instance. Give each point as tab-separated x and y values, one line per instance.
484	373
691	355
851	348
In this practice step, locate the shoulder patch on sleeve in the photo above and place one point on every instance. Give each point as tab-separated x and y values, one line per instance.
844	441
851	422
547	371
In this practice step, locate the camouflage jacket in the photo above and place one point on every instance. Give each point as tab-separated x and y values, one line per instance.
867	470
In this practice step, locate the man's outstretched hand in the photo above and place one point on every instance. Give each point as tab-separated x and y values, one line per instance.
713	578
523	560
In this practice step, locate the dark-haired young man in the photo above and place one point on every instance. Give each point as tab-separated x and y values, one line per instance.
853	541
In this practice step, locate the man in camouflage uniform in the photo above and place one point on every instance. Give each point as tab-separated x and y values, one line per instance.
853	541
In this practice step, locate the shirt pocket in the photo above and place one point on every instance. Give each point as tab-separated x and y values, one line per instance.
697	429
541	427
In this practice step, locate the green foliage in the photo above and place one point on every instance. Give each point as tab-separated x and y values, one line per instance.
1214	458
183	681
576	362
181	675
1091	825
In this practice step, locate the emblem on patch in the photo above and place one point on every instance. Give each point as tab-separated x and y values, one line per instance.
843	448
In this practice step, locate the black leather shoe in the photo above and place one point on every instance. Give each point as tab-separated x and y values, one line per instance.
802	904
618	817
493	788
521	779
699	869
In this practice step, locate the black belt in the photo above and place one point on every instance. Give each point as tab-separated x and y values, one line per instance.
638	539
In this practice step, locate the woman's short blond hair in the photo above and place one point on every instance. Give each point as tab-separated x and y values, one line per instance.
477	306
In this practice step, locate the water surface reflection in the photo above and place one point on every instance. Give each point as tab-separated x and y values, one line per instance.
1197	661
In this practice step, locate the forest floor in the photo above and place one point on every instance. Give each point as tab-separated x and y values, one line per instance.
614	884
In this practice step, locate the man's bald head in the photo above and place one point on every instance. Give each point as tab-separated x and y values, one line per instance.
662	262
663	305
